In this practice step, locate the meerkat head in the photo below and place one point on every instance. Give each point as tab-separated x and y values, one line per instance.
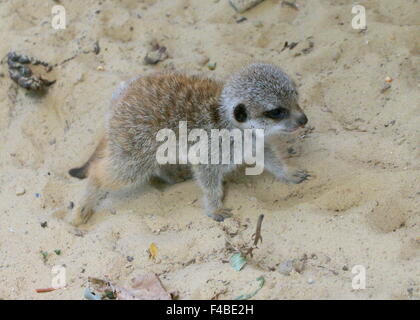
262	96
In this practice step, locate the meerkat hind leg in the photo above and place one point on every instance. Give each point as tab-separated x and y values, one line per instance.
99	183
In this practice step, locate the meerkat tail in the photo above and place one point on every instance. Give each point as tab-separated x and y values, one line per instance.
83	171
80	173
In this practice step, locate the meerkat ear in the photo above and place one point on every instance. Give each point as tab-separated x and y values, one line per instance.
240	113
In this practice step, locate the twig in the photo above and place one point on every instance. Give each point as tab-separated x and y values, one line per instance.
256	236
330	270
45	290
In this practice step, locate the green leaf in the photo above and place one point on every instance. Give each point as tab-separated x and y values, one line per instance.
237	261
261	281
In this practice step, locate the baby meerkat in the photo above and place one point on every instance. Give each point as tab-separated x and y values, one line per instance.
261	96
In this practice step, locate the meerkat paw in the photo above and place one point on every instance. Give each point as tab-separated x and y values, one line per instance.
82	216
297	176
221	214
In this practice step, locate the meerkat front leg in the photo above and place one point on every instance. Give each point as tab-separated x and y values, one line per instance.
273	164
210	179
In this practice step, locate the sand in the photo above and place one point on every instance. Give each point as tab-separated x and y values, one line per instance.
361	206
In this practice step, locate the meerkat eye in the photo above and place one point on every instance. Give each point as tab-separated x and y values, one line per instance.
240	113
279	113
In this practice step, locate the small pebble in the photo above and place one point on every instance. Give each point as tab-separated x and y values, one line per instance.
286	267
241	19
130	258
44	224
410	291
157	54
244	5
202	60
44	255
385	87
390	123
212	65
290	4
20	191
299	266
290	150
100	68
388	79
79	233
96	48
311	281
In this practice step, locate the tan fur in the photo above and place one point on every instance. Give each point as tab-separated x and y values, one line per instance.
140	108
160	101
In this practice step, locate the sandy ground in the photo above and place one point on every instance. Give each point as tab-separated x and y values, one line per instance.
360	208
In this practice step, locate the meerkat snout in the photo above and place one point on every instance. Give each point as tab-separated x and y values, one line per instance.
302	120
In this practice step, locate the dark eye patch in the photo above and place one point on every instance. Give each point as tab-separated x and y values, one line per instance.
278	113
240	113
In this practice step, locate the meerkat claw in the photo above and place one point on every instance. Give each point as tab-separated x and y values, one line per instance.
221	215
82	217
86	214
300	176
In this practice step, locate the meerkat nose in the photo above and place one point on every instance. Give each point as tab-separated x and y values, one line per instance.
302	120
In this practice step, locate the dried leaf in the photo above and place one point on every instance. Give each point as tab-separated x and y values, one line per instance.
145	287
153	250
